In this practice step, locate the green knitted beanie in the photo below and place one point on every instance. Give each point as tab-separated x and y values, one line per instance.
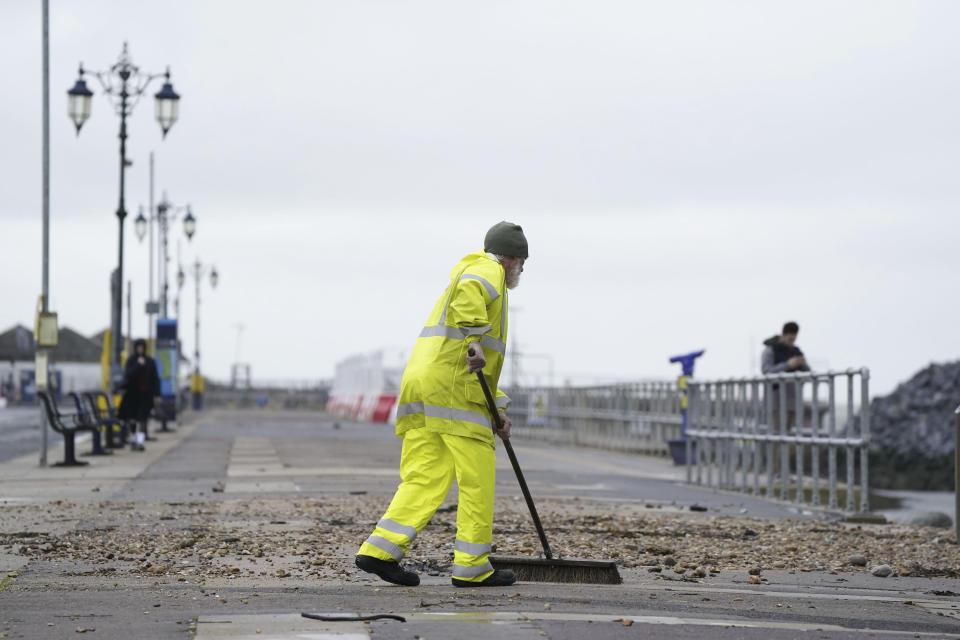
506	239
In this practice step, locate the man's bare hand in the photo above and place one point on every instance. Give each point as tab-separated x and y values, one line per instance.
475	359
796	362
504	433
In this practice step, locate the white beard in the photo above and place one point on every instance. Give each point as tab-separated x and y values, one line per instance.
513	278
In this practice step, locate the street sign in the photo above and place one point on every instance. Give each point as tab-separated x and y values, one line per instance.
153	307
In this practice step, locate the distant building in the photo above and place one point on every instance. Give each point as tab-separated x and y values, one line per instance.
74	364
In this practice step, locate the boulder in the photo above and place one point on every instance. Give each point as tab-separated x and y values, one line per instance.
930	519
911	431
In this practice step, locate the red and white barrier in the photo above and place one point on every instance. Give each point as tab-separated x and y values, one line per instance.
366	390
367	408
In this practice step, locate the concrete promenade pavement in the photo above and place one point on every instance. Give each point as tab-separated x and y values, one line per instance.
241	520
19	432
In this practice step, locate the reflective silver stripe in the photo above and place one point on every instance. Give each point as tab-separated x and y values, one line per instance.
450	288
446	413
473	548
395	527
503	314
454	333
441	330
408	409
492	290
503	402
446	303
386	546
475	331
471	572
492	343
464	415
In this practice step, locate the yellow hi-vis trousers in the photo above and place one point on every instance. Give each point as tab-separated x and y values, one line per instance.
428	464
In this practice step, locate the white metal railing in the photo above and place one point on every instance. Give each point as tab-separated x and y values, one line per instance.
636	417
769	436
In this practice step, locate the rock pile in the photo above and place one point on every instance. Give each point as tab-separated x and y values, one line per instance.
912	431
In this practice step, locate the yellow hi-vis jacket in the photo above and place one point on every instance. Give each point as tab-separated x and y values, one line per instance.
436	392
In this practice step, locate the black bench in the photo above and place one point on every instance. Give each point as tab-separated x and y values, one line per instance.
66	425
89	422
107	418
159	413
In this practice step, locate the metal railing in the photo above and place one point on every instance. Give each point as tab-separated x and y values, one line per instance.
770	436
635	417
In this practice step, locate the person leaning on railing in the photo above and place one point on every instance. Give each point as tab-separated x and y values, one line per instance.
782	355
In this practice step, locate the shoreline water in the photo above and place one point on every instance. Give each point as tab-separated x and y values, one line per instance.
911	503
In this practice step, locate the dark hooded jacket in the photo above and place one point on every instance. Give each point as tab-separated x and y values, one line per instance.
774	360
776	354
141	384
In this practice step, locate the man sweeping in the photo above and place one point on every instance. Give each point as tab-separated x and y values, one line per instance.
444	421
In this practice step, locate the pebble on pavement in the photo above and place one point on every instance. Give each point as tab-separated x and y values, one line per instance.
290	539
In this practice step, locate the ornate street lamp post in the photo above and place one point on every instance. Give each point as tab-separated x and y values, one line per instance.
140	225
124	84
167	212
196	382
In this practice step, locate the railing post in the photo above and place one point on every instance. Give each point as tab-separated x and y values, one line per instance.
712	455
756	411
798	431
814	434
784	447
721	442
865	440
832	450
741	424
847	433
770	454
731	440
956	474
691	425
701	442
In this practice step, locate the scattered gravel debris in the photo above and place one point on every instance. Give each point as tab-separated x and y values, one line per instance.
284	539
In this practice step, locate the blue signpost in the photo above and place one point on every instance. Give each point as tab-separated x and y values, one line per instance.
678	446
167	350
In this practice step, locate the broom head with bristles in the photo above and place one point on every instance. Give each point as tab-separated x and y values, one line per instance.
559	569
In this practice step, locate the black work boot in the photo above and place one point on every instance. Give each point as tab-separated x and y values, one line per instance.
499	578
391	571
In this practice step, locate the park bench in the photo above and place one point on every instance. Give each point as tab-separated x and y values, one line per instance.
107	418
65	424
90	423
159	413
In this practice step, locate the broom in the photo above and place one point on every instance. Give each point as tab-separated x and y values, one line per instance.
547	569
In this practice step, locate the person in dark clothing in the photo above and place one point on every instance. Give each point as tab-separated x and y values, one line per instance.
141	392
782	355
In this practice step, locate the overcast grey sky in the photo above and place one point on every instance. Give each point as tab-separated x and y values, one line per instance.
689	174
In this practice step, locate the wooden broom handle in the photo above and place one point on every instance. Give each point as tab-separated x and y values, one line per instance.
492	405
